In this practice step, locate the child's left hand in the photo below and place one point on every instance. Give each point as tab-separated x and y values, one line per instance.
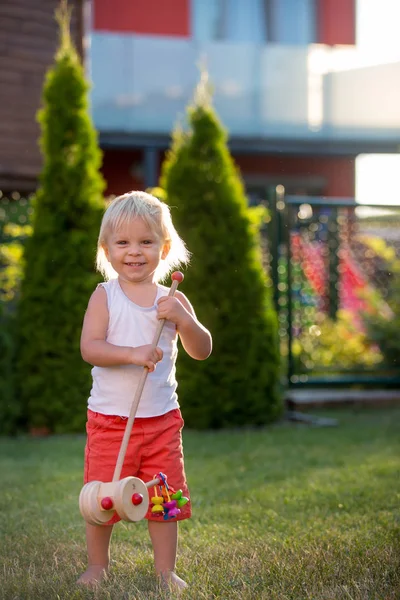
170	308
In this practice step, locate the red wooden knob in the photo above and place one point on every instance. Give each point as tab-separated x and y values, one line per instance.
137	499
177	276
107	503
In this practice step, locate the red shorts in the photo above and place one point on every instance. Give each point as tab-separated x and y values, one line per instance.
155	446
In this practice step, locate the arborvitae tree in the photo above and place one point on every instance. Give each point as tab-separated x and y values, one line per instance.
238	384
59	275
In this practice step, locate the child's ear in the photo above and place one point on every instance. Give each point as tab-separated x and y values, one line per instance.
165	250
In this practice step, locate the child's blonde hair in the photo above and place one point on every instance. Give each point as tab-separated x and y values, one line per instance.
157	216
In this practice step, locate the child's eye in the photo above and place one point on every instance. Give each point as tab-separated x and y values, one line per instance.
147	242
121	242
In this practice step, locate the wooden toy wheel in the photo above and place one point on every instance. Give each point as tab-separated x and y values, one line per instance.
90	507
124	490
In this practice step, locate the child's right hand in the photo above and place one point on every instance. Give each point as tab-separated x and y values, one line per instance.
146	356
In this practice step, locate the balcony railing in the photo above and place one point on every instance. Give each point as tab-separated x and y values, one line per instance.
142	84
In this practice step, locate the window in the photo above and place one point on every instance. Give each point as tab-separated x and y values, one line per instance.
290	21
255	21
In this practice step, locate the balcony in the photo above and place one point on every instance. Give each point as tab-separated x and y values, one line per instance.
142	84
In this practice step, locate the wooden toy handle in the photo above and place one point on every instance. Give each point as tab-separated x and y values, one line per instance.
177	278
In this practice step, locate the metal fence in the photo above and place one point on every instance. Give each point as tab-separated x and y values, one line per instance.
335	266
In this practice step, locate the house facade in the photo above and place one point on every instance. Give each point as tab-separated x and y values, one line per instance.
299	98
145	59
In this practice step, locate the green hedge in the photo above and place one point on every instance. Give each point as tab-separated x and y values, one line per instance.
52	380
383	328
12	238
238	384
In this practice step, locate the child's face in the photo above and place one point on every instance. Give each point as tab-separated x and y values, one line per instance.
135	251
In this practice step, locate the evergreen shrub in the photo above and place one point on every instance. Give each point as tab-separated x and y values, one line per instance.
383	326
53	381
12	237
238	384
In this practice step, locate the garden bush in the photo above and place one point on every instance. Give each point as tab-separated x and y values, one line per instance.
239	383
331	345
12	237
53	381
383	327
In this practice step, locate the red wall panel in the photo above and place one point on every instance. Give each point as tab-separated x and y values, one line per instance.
338	172
150	17
336	21
120	173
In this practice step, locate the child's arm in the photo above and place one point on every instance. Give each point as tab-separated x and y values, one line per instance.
195	338
97	351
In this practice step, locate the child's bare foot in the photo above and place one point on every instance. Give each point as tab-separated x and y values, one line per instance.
171	581
92	576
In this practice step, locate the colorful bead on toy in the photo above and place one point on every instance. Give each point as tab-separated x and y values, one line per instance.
180	500
157	502
166	505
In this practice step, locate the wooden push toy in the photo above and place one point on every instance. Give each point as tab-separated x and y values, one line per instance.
129	497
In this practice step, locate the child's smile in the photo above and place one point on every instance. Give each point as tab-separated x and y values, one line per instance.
135	251
135	264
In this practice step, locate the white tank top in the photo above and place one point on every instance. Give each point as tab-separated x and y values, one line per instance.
114	388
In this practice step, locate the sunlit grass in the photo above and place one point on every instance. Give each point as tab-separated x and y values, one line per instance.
285	512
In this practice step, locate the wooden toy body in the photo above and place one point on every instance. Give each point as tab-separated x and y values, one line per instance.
120	492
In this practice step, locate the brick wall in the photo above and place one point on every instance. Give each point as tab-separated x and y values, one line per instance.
28	41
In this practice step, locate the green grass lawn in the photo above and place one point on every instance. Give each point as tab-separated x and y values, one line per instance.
285	512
